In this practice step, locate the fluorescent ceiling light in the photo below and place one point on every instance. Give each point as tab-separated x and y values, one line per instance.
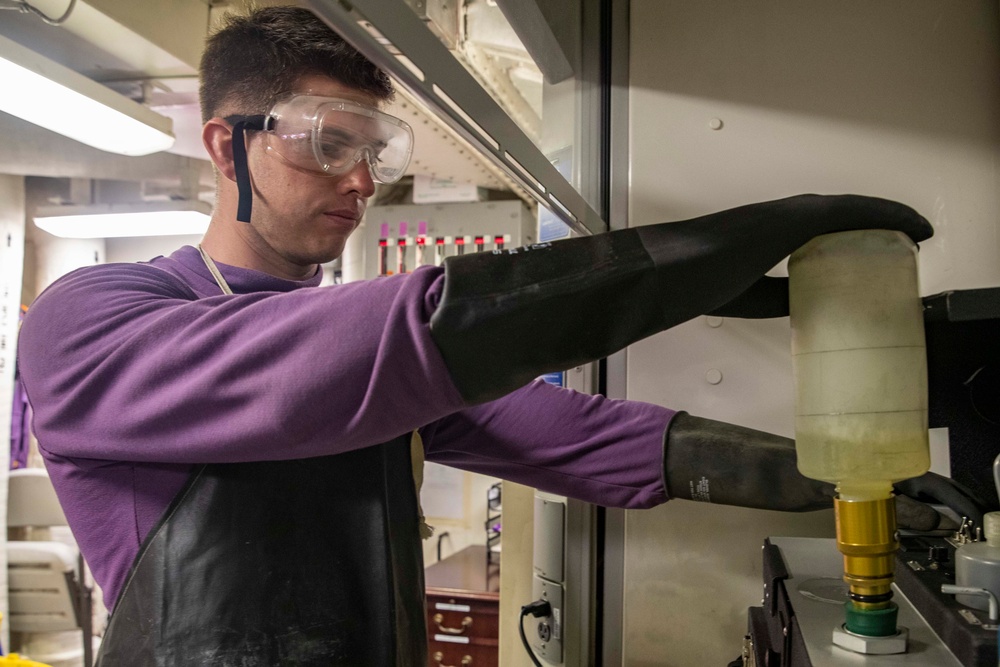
103	221
45	93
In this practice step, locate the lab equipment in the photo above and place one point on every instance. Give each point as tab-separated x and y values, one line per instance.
977	565
859	360
793	630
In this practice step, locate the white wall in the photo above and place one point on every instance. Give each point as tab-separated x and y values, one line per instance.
464	525
897	98
55	257
142	249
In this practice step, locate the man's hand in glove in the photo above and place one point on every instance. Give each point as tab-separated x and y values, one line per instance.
712	461
933	488
585	298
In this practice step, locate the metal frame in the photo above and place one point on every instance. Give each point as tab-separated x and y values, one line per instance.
438	80
583	542
612	619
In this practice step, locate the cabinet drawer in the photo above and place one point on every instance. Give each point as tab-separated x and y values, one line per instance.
454	655
463	618
463	611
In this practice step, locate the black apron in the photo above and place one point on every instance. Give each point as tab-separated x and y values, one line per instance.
312	562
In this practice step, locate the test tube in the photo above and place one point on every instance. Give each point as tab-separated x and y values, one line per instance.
383	250
498	242
421	243
459	245
439	250
401	249
480	243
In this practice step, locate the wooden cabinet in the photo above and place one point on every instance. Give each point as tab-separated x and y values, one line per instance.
463	606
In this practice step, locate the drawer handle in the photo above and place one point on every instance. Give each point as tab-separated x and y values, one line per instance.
439	656
466	622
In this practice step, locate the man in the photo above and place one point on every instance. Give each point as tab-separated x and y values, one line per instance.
232	443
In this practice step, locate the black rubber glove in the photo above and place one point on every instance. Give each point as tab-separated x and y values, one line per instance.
768	297
712	461
553	306
933	488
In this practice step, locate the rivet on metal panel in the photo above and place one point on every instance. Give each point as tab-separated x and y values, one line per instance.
713	321
749	660
715	124
713	376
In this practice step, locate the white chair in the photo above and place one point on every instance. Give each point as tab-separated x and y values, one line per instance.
46	579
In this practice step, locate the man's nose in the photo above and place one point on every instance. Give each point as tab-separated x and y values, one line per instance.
359	178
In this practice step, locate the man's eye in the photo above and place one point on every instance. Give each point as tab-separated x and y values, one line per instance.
336	149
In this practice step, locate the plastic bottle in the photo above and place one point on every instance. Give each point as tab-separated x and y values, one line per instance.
860	362
860	366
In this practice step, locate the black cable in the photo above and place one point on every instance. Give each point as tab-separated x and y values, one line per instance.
48	19
536	609
524	640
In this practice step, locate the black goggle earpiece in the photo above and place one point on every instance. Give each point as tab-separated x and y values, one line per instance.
240	125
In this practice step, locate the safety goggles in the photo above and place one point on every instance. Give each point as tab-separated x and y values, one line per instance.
324	135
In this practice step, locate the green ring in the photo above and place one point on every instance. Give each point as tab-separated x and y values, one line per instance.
871	622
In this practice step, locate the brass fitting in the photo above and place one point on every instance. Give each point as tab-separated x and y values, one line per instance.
866	535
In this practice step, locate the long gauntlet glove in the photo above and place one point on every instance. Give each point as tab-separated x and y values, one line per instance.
553	306
715	462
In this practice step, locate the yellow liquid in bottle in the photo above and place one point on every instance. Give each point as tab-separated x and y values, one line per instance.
860	362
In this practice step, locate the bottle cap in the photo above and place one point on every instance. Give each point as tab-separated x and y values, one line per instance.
991	528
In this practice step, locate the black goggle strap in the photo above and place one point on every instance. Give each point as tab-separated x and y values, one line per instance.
243	186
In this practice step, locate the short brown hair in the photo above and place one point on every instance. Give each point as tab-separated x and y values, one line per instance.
254	59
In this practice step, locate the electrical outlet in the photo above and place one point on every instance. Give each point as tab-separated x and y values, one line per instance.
546	637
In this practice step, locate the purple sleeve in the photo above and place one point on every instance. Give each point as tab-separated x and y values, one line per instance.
603	451
123	362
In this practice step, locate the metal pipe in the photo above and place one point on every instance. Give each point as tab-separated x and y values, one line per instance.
951	589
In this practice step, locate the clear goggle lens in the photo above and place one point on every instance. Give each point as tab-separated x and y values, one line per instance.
330	136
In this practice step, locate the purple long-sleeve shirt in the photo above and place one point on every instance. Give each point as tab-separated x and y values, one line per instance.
137	372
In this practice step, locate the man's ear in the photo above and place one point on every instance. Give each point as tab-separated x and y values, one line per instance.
217	135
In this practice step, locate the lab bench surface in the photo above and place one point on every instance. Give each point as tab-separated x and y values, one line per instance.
463	606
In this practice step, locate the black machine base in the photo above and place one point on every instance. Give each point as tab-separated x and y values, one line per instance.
774	637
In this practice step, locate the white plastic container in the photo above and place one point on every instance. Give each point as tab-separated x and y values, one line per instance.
860	363
977	564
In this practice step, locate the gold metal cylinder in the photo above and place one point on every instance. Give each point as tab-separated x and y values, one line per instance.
866	535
